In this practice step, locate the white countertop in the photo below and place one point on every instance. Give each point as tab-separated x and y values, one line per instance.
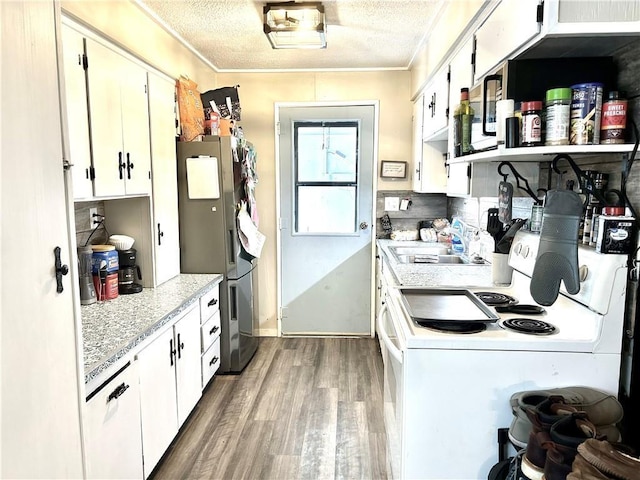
111	329
431	275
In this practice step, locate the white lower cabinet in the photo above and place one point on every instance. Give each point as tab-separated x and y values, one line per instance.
169	384
111	428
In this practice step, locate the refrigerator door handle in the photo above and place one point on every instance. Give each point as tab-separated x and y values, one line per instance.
232	246
233	302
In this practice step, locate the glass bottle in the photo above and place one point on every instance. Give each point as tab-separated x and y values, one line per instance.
462	118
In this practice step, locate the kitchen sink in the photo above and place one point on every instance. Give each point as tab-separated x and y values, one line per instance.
432	256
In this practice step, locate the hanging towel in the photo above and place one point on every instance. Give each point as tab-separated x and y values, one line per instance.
250	238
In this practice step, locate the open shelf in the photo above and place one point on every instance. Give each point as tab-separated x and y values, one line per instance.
542	154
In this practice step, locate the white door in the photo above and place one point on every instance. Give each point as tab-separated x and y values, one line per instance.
327	159
162	120
77	113
158	398
40	390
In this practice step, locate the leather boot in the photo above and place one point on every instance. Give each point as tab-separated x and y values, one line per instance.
565	436
542	417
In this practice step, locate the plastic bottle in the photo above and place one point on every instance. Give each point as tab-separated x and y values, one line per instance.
531	124
462	118
558	120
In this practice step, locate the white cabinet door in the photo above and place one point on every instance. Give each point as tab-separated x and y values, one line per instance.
135	128
158	399
77	113
170	384
510	25
458	179
162	118
40	390
119	123
461	69
104	67
429	174
188	367
436	105
418	115
113	446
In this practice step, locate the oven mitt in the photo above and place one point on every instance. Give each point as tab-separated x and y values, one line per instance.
558	250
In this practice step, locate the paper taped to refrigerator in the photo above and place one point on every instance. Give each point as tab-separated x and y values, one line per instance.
202	178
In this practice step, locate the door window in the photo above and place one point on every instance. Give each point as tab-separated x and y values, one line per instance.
326	177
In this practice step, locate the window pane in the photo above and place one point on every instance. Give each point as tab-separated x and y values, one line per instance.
326	153
326	209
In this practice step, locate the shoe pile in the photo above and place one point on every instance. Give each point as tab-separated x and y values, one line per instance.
551	424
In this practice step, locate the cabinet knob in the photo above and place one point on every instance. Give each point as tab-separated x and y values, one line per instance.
214	330
212	302
60	270
160	235
121	165
129	166
120	389
213	360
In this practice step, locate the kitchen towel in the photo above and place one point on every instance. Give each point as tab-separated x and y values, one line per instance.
250	238
557	258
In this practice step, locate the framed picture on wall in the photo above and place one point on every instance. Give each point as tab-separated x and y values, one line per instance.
392	169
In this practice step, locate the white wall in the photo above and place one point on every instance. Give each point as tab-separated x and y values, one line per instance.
258	94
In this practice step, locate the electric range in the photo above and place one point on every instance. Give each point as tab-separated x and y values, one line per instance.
448	392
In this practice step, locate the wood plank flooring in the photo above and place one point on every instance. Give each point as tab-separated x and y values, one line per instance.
304	408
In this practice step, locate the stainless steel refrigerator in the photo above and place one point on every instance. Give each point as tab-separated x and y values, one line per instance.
212	181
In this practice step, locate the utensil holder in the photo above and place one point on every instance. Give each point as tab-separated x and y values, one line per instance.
500	270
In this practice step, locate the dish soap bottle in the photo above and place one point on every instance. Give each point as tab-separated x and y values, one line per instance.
462	118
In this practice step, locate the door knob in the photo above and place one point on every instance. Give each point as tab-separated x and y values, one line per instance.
364	225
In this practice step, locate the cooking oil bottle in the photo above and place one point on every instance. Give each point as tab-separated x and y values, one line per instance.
462	118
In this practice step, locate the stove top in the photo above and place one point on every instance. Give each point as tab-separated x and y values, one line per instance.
496	298
529	326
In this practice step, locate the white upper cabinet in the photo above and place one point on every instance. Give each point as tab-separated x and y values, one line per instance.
512	24
162	116
77	113
429	175
436	106
119	123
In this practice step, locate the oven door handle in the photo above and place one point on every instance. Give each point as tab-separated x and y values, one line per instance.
391	348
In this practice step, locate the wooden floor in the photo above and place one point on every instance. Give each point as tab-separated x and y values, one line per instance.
304	408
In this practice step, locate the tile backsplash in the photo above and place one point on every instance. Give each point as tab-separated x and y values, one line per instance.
423	206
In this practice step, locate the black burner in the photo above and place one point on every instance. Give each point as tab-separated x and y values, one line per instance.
495	298
454	327
529	326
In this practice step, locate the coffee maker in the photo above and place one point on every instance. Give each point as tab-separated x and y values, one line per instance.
87	290
127	272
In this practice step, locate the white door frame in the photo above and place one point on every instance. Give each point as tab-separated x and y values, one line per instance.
376	107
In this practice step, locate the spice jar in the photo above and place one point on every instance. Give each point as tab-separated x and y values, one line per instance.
558	103
531	124
614	119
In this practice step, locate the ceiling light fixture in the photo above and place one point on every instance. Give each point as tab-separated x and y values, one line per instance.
295	25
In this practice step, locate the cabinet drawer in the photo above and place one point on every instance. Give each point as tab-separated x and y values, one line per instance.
112	428
209	303
210	331
210	362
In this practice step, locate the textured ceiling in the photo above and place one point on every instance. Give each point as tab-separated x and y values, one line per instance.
361	34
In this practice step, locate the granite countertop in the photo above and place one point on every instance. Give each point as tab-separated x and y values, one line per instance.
110	330
429	275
